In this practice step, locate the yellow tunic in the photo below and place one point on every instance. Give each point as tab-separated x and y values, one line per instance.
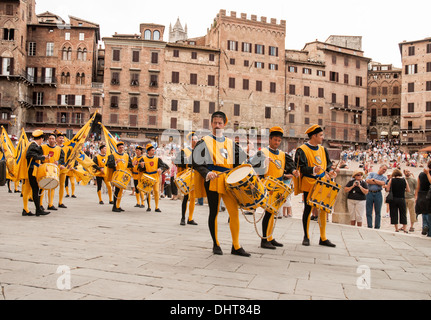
277	165
55	153
314	158
136	174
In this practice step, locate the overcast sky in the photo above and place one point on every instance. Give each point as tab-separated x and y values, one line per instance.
382	24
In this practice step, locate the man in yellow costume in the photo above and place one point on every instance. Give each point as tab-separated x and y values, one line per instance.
56	156
119	160
213	157
136	175
184	162
63	170
154	167
100	162
32	158
280	165
314	163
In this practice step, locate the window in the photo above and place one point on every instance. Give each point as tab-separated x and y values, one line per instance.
82	54
411	69
133	102
385	91
411	87
194	55
39	116
135	56
50	49
273	66
259	49
134	79
67	36
292	89
359	81
246	63
246	47
292	69
411	51
152	120
307	121
211	108
116	55
156	35
258	85
80	78
321	73
346	61
113	118
32	49
428	86
245	84
334	59
273	87
334	98
9	9
273	51
174	105
306	91
429	48
358	64
66	54
176	53
147	35
115	78
232	61
211	57
292	107
81	36
321	92
307	108
291	118
232	83
428	106
232	45
267	112
196	106
320	110
306	70
114	101
346	79
346	101
410	107
259	65
154	80
175	77
8	34
193	79
38	97
428	66
358	102
236	110
395	90
154	57
211	80
333	76
7	66
153	103
173	123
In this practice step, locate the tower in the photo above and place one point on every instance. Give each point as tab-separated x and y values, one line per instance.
177	33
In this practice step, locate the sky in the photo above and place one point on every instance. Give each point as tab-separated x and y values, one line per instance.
382	24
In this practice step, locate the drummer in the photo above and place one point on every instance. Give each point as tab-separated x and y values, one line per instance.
280	166
154	167
314	163
56	157
33	156
119	160
63	170
184	162
100	162
213	157
136	175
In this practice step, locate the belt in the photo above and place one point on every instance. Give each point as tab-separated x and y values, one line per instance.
376	191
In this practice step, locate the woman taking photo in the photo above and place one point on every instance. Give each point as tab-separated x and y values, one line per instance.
423	205
397	206
357	190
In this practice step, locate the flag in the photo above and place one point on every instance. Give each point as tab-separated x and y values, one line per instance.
9	153
20	150
77	142
87	163
110	140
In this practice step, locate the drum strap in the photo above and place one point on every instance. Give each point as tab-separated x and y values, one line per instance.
212	167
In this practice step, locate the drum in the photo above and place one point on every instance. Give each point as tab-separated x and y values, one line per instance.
246	187
185	182
121	179
47	176
146	183
278	192
323	195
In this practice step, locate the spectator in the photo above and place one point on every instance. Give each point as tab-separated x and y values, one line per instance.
357	190
397	207
410	198
423	205
376	182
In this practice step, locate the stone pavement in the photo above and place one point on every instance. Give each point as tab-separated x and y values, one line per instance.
140	255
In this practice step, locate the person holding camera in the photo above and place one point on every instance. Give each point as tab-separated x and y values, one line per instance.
357	190
397	206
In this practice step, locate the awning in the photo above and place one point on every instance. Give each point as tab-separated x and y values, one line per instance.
395	133
384	133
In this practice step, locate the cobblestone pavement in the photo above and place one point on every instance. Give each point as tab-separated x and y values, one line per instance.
89	252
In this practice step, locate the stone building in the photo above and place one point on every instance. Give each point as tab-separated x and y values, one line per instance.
384	101
416	94
327	84
178	33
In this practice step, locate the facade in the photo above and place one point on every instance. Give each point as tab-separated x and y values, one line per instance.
327	84
384	101
416	94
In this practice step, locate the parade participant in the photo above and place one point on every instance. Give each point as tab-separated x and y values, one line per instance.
100	161
56	156
33	156
280	165
63	170
136	175
184	162
154	167
313	162
119	160
213	157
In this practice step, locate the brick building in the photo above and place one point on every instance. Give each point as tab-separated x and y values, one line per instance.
384	101
416	94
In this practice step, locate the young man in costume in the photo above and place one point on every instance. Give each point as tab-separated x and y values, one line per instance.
102	175
63	170
314	163
280	164
136	175
184	162
119	160
154	167
213	157
56	156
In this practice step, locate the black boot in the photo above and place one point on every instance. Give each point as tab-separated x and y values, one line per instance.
240	252
265	244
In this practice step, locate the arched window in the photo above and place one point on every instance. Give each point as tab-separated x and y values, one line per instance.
64	53
156	35
69	54
68	78
84	55
147	35
79	54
